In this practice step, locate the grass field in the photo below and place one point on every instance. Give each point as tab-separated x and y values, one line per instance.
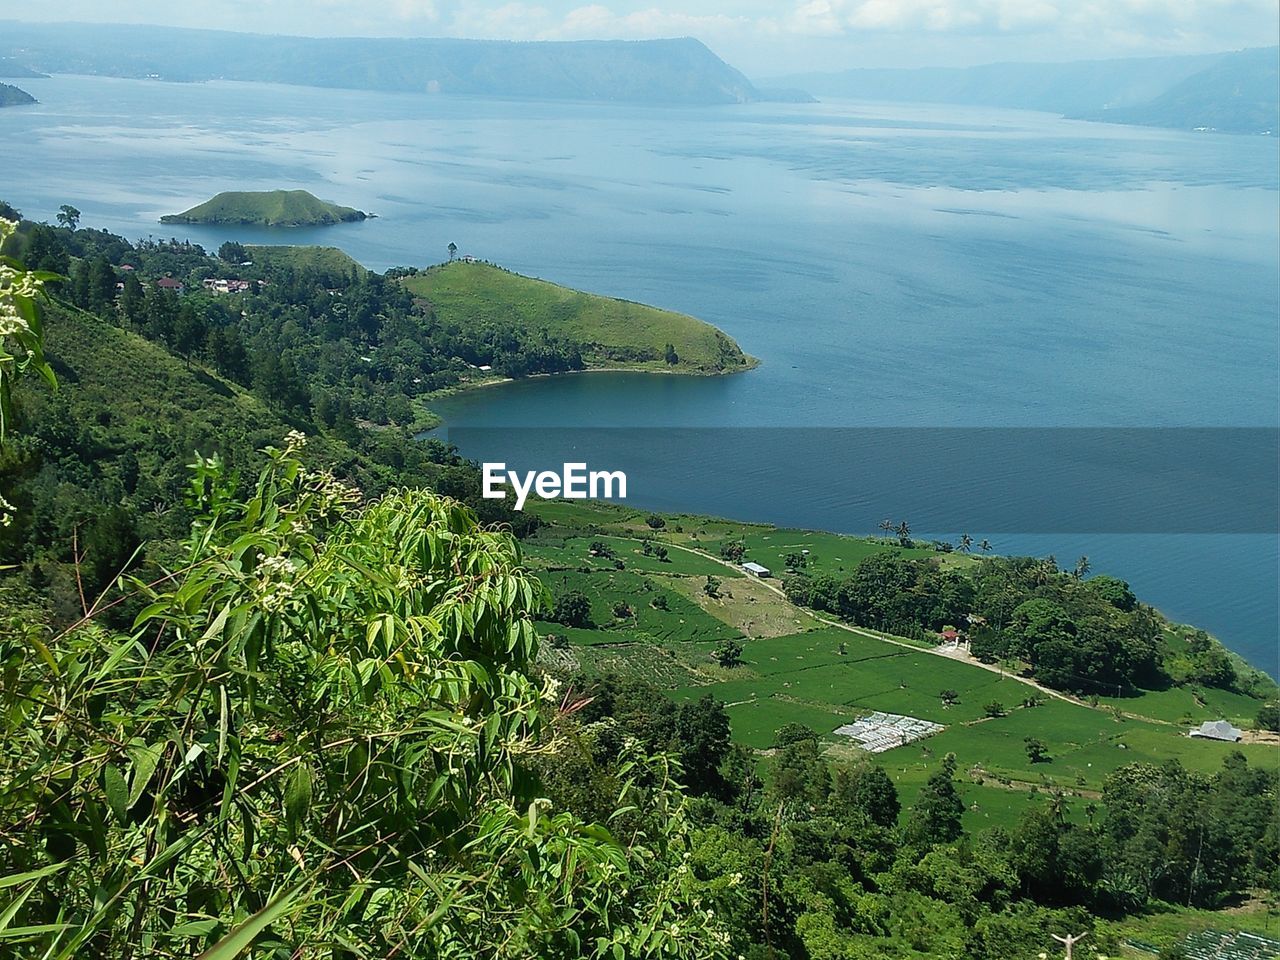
613	333
797	670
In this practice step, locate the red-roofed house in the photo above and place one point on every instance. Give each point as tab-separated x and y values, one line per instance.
168	283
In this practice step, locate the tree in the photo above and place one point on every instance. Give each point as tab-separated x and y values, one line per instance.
189	332
1081	569
132	301
966	543
733	551
949	697
904	534
936	817
728	653
1037	751
1268	717
573	609
865	790
205	750
712	586
985	546
886	527
670	354
801	775
994	709
703	741
453	249
233	252
655	522
68	216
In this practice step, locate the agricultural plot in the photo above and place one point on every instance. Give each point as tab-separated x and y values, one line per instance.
680	621
1189	706
748	606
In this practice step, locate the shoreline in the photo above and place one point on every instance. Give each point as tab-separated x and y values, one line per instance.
466	386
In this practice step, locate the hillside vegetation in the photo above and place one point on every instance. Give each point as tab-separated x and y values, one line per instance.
611	333
268	208
679	71
326	260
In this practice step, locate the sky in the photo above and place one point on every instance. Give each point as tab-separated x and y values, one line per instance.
761	37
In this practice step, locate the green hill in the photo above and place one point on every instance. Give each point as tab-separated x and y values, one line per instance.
329	259
11	96
611	333
270	208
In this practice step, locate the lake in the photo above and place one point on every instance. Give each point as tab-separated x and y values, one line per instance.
893	266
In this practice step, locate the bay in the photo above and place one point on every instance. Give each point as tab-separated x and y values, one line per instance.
891	265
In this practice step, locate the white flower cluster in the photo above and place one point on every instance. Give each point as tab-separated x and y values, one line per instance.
14	283
7	510
275	585
294	441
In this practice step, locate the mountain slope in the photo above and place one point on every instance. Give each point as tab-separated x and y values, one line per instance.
610	332
641	71
1237	94
1234	92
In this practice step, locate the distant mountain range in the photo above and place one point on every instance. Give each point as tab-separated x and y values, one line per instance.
641	71
1231	92
11	96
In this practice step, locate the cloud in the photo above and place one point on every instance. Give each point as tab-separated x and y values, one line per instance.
596	21
1140	19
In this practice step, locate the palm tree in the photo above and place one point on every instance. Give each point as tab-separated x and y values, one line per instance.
904	533
985	546
1082	567
966	542
453	249
887	526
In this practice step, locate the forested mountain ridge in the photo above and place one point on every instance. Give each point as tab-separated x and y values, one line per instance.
1233	92
679	71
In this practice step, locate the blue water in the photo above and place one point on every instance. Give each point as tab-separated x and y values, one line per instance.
891	265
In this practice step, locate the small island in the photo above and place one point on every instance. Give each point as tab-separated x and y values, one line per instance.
268	208
11	96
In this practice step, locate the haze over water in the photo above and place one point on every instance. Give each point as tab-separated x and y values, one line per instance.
891	265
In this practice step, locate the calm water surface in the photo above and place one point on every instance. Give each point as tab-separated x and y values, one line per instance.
892	265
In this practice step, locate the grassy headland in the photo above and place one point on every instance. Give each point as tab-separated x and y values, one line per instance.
269	208
611	333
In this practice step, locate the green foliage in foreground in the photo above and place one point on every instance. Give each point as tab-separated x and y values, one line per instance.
611	332
267	208
318	741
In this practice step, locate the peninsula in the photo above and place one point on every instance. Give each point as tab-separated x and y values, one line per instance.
11	96
608	333
268	208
